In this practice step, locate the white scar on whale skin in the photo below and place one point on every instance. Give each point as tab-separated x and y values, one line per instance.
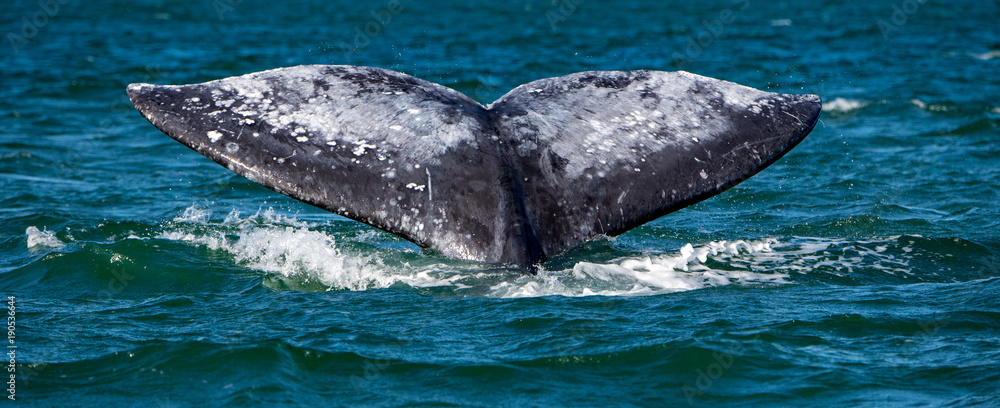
430	188
549	165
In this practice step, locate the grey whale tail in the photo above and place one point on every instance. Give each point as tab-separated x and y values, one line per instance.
549	165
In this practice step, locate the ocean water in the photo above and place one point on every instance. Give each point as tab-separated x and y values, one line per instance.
862	269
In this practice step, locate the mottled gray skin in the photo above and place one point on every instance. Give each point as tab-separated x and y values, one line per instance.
546	167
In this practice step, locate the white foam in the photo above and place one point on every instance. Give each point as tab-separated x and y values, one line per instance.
841	105
649	275
39	239
280	245
299	250
194	214
362	258
986	56
933	107
295	249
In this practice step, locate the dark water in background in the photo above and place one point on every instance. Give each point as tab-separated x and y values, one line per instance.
861	269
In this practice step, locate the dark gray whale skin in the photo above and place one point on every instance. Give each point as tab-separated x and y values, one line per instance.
549	165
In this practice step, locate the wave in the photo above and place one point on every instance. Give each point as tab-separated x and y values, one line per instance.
301	255
841	105
986	56
691	268
344	255
933	107
39	239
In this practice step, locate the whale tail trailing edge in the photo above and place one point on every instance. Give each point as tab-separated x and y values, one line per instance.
546	167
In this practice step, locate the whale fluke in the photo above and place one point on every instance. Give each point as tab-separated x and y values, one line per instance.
549	165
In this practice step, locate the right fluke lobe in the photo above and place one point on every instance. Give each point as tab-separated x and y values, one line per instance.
604	152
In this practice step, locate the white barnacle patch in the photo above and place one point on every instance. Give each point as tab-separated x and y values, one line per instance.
225	103
302	139
413	111
214	135
396	127
415	186
194	99
281	160
360	147
232	147
703	174
331	143
250	92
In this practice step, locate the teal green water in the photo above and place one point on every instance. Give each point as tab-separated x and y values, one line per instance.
862	269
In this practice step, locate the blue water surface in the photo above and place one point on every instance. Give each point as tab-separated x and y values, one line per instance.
862	269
